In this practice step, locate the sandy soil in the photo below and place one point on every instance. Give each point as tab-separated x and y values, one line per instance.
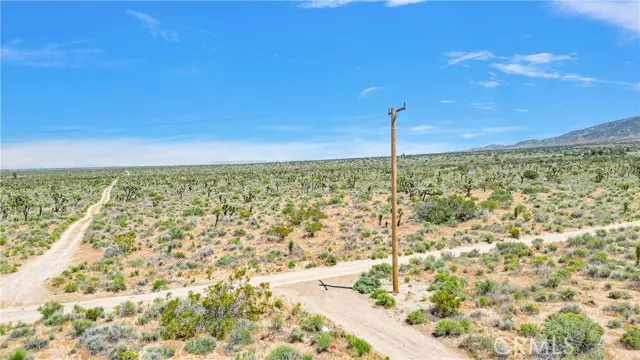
27	286
352	311
345	307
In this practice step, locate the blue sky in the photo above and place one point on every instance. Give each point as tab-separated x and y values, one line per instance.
151	83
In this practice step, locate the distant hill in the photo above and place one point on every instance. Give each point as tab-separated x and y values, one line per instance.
613	131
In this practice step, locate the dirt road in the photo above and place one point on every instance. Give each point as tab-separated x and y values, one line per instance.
353	312
27	286
345	308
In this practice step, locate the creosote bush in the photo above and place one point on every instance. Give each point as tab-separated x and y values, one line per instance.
218	311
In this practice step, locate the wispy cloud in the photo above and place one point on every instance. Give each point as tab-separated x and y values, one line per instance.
489	83
145	152
154	26
541	58
457	57
521	110
366	92
525	70
491	130
422	129
319	4
49	55
491	106
544	65
623	14
395	3
447	101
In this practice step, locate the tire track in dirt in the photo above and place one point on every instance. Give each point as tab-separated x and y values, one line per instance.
27	285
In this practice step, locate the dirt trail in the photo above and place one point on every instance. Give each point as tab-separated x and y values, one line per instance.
346	307
27	286
353	312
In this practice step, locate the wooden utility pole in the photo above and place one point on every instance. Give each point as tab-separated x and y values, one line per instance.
394	197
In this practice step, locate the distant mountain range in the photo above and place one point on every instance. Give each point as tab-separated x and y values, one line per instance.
613	131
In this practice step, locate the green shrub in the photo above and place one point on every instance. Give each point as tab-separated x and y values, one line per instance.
159	352
94	313
35	343
366	284
20	332
502	197
631	338
385	300
159	284
361	345
50	308
296	335
529	330
284	352
567	293
196	211
576	333
323	340
476	343
445	303
614	324
514	232
530	308
104	339
19	354
242	332
123	353
78	327
216	312
203	345
417	317
313	323
451	327
313	227
225	261
126	308
279	231
439	210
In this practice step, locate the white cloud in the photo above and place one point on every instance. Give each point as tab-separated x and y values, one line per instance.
50	55
521	110
543	65
319	4
456	57
154	26
525	70
541	58
484	105
489	84
447	101
366	92
469	135
395	3
144	152
624	14
422	129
